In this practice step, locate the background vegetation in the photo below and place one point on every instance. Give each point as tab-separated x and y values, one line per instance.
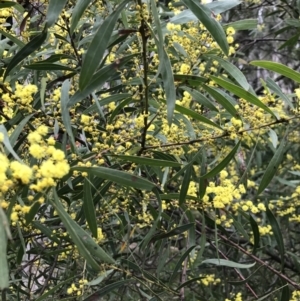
149	150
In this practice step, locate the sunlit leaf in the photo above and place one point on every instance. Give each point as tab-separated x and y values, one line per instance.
228	263
278	68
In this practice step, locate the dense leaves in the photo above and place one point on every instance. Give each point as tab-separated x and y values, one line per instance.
141	159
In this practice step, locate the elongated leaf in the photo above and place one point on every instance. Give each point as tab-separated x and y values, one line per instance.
235	73
54	9
12	38
240	92
48	66
165	67
179	264
278	68
97	296
148	161
88	206
65	112
228	263
273	166
192	80
185	185
95	52
24	52
117	176
5	4
189	282
221	100
177	231
4	274
256	235
245	24
6	142
80	7
196	116
217	7
72	231
99	78
18	130
271	84
99	279
200	98
285	293
87	247
54	289
211	24
222	164
277	234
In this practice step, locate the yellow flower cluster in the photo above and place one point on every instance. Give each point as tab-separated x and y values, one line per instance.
77	290
295	296
238	297
209	280
53	164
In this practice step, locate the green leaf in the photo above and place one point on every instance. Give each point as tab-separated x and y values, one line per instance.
217	7
48	66
271	84
99	78
117	176
245	24
240	92
200	98
185	185
55	7
235	73
24	52
97	296
148	161
54	289
228	263
277	234
96	50
165	67
189	282
18	130
278	68
5	4
285	293
174	232
87	247
212	25
6	142
179	264
12	38
292	22
273	165
256	235
80	7
65	114
222	164
196	116
192	80
221	100
4	273
99	279
88	206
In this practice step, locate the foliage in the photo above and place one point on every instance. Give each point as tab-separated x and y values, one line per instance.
138	162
